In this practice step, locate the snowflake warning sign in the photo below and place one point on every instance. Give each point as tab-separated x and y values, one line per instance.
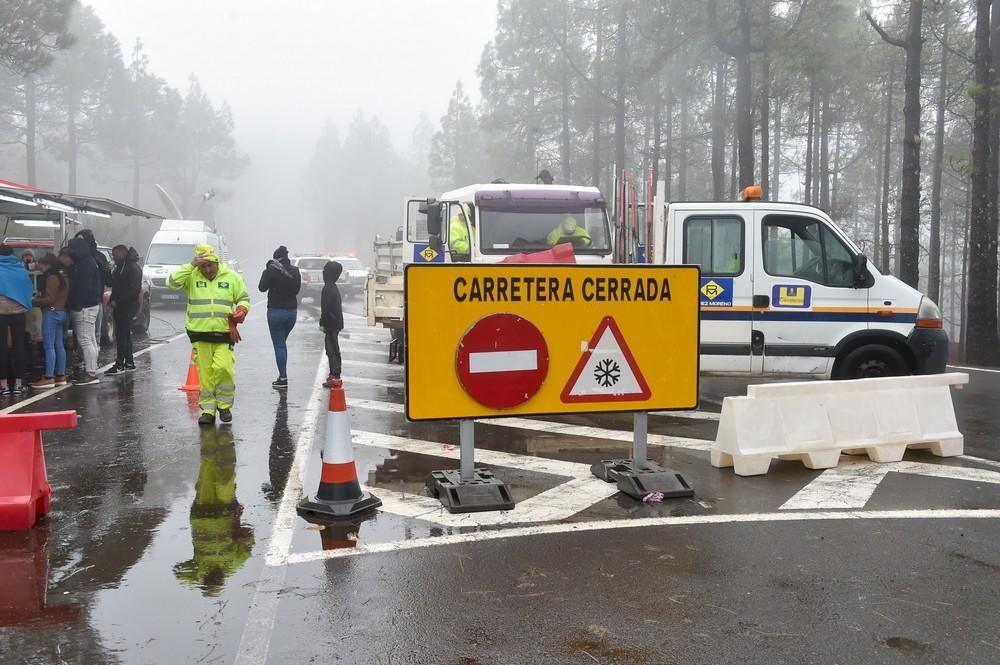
607	371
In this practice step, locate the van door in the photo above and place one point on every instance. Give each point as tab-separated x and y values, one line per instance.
417	247
805	276
717	243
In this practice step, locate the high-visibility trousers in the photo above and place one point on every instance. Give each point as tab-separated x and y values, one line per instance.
216	375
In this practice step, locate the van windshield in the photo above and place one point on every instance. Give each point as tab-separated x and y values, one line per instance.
510	231
169	255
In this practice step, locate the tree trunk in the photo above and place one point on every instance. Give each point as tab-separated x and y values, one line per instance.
564	145
621	70
765	126
810	131
909	204
835	180
776	177
734	183
937	168
595	167
744	99
983	345
136	175
886	163
668	156
824	153
682	157
30	128
72	148
657	132
719	133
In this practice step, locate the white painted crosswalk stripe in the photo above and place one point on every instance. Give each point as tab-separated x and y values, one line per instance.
554	428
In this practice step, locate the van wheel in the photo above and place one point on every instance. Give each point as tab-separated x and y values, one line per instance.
871	361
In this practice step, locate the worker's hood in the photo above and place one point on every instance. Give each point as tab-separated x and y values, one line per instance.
331	272
132	256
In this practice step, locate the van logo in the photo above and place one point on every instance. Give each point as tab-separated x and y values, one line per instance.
717	292
792	296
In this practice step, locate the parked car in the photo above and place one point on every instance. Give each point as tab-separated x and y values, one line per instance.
351	282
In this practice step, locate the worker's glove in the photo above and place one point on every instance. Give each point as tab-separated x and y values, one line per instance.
240	315
234	333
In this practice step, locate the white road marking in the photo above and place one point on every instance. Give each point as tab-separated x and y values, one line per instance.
364	363
256	639
483	456
368	381
584	527
854	481
692	414
974	369
554	428
503	361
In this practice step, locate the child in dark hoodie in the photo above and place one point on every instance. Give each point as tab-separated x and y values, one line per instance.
331	319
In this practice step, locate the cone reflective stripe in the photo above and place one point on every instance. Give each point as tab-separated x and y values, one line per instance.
192	384
339	493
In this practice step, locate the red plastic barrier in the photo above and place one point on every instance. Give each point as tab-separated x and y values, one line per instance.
562	253
25	493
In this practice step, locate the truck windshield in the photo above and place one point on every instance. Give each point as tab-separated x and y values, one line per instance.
169	255
513	231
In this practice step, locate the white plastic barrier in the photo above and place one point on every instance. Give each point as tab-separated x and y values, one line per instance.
816	421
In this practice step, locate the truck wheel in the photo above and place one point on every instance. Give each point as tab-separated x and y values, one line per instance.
870	361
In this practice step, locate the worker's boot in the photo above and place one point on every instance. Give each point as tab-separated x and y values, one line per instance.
207	419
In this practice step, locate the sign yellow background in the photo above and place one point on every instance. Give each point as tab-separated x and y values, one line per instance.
662	336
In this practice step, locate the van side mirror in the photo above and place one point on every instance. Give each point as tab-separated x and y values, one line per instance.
433	211
860	270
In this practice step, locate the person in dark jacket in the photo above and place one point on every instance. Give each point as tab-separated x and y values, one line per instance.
331	318
281	281
103	266
126	290
86	291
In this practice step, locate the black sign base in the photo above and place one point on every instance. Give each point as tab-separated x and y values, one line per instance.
481	494
637	483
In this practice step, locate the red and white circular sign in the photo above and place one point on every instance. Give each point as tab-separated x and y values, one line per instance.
502	361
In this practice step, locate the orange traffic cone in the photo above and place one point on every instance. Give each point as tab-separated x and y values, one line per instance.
339	494
191	384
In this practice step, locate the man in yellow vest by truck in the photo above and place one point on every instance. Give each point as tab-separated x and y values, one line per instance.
217	302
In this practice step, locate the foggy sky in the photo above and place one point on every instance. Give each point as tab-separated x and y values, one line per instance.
285	67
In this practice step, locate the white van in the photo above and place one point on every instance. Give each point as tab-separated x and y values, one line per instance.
786	292
173	246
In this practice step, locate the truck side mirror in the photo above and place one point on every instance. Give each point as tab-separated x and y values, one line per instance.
433	211
399	234
860	270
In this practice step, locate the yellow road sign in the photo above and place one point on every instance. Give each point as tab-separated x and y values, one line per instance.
526	339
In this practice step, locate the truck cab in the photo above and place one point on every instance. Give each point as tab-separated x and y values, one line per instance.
500	220
785	292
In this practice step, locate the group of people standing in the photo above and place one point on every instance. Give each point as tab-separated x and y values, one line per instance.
282	282
69	290
218	303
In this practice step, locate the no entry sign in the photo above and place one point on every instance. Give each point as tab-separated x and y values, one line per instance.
502	361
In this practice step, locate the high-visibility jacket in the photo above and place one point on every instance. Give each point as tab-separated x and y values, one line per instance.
458	235
210	301
558	235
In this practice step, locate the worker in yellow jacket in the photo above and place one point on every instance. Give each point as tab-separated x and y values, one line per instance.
217	302
569	231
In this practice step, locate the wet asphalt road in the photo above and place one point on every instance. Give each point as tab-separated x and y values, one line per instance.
157	547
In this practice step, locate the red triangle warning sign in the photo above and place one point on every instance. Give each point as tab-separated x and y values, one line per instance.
607	372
